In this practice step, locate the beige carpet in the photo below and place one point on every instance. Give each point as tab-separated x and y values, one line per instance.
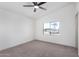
39	49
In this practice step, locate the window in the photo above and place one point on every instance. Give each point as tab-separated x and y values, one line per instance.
51	27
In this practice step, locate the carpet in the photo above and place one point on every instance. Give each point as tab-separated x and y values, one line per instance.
38	48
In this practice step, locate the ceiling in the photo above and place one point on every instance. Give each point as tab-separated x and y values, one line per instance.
17	7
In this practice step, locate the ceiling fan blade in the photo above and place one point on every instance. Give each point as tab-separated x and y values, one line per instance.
41	3
34	9
35	3
28	5
42	8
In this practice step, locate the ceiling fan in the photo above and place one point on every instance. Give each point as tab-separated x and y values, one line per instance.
36	5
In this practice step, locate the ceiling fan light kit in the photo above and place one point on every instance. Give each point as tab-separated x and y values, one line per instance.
36	7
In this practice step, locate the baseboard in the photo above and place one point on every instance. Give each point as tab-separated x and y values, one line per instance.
37	40
55	43
16	45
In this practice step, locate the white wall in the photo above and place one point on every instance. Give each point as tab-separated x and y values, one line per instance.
78	25
14	29
66	17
